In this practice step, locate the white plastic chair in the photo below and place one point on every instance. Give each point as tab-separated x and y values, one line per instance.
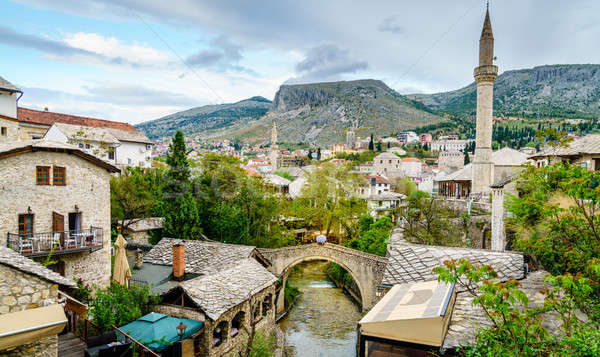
55	241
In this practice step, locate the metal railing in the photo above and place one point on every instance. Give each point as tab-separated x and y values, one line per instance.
56	242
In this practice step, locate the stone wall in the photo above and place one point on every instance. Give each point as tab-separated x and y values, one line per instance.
20	291
461	205
366	269
12	130
46	347
88	188
231	345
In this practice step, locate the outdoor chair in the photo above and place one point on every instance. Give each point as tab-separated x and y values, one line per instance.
71	241
25	244
55	241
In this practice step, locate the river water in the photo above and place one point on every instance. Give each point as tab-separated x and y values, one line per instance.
323	321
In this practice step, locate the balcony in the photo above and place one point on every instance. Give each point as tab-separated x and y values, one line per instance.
57	243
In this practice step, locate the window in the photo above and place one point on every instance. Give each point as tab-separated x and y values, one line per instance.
129	161
81	145
111	155
87	146
25	224
59	176
43	175
3	131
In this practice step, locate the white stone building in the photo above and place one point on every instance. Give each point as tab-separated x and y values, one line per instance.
375	185
121	148
9	125
450	144
56	198
381	204
411	167
451	160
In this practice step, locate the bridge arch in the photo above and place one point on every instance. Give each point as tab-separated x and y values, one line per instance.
366	269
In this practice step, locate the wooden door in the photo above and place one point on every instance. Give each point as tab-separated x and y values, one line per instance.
58	225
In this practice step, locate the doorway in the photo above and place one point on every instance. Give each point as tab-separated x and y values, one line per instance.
58	225
74	222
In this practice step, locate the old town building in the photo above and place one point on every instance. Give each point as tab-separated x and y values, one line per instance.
227	287
56	199
9	124
30	316
584	151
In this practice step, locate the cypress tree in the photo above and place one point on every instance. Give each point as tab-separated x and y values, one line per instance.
379	146
182	219
371	144
467	158
319	154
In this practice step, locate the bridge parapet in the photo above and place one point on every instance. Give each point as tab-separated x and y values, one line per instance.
366	269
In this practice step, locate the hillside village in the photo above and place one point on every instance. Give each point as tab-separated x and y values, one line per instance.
430	238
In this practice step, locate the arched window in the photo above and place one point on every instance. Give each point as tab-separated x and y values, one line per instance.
219	334
237	323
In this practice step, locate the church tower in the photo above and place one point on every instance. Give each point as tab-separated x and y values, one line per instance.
485	76
274	149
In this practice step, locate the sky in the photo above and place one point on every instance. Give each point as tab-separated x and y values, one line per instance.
138	60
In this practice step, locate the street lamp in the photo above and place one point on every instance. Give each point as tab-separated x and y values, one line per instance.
181	330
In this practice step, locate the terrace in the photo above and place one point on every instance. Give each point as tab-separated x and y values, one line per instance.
57	243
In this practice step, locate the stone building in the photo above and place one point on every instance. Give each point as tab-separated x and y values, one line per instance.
387	164
56	198
450	143
119	147
9	124
451	160
227	287
485	76
506	162
139	229
30	316
584	151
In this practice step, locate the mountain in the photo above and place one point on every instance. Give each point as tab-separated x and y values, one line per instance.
319	113
570	91
316	113
206	118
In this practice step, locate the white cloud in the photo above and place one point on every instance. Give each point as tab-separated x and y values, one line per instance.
112	47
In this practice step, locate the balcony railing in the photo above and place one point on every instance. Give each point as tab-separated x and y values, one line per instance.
60	242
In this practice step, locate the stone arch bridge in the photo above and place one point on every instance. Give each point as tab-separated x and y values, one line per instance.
366	269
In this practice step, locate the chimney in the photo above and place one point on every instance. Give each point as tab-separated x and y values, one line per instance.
178	261
139	259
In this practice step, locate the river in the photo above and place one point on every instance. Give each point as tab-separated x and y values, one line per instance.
323	321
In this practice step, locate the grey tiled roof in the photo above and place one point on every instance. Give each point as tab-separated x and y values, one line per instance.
408	262
15	260
588	144
4	84
219	292
468	318
201	257
143	224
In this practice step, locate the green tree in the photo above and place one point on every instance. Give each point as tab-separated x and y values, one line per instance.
181	217
328	199
467	157
516	327
371	144
136	193
379	148
118	305
556	217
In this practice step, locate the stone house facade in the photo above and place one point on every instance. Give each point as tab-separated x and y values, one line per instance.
226	286
26	285
56	199
9	126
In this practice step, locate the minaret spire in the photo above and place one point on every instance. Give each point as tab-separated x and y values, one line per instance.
485	76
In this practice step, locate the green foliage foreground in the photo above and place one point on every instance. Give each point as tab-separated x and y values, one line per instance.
118	305
517	327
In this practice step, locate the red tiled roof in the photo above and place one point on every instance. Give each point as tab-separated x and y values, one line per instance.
411	159
26	115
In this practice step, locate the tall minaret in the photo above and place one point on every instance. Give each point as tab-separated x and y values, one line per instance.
485	76
274	149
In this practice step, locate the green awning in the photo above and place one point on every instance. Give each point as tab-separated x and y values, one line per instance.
157	331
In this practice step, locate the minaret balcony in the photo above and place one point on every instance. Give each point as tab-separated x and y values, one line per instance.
486	73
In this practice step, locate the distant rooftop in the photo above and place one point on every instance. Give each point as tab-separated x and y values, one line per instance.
7	86
48	118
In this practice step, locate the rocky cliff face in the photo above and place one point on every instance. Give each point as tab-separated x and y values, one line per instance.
206	118
554	90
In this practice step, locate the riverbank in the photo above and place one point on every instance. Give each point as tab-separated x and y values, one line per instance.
323	320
